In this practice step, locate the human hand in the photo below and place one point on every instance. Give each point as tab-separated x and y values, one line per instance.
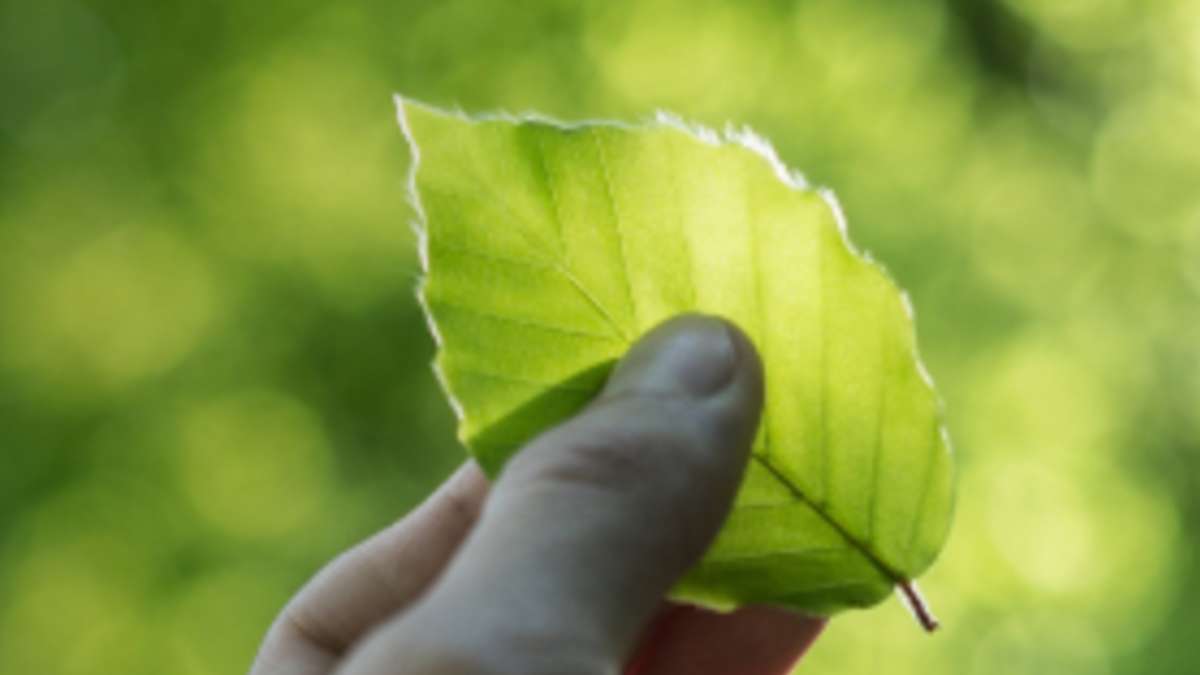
560	567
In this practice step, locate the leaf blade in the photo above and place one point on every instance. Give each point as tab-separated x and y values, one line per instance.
586	236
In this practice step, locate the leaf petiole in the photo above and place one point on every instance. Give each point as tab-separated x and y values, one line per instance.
917	605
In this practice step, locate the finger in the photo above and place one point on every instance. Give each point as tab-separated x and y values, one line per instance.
750	641
372	581
592	523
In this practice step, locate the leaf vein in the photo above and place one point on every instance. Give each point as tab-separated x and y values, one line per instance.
759	315
606	175
484	255
552	195
926	486
814	551
877	452
862	547
551	328
562	269
826	470
501	377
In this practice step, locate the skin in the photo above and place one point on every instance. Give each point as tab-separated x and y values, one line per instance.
560	566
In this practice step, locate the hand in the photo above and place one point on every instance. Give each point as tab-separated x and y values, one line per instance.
562	568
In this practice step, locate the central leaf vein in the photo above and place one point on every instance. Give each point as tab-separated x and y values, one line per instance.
854	541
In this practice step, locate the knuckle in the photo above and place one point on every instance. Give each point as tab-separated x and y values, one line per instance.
613	461
461	507
312	629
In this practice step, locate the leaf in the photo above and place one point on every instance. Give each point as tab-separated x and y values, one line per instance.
548	249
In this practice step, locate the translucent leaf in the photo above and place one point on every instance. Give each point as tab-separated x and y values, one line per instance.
548	249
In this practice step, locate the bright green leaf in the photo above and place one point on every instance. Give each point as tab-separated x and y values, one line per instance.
548	249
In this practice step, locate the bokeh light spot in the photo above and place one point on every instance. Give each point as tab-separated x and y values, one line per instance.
125	306
1036	399
1077	534
316	183
1041	523
83	565
1144	170
1038	643
254	464
206	635
689	56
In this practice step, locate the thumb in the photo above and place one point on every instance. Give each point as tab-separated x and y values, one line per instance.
591	524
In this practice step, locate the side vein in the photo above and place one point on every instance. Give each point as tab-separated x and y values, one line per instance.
759	317
926	486
810	551
606	174
558	266
491	257
552	196
684	229
526	323
880	412
823	453
540	384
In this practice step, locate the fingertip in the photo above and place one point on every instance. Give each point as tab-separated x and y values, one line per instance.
750	365
742	401
690	355
705	359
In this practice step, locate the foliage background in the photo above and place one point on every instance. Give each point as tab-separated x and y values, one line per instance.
213	375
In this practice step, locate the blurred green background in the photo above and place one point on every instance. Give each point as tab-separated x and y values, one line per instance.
213	374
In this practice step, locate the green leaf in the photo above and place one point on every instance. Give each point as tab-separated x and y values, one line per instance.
548	249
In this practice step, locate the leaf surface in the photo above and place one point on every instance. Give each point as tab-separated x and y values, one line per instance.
548	249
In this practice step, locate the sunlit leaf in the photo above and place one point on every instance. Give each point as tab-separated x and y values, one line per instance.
548	249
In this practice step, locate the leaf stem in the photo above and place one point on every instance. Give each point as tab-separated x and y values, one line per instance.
917	605
908	588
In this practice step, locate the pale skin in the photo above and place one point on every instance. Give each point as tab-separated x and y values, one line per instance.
560	567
